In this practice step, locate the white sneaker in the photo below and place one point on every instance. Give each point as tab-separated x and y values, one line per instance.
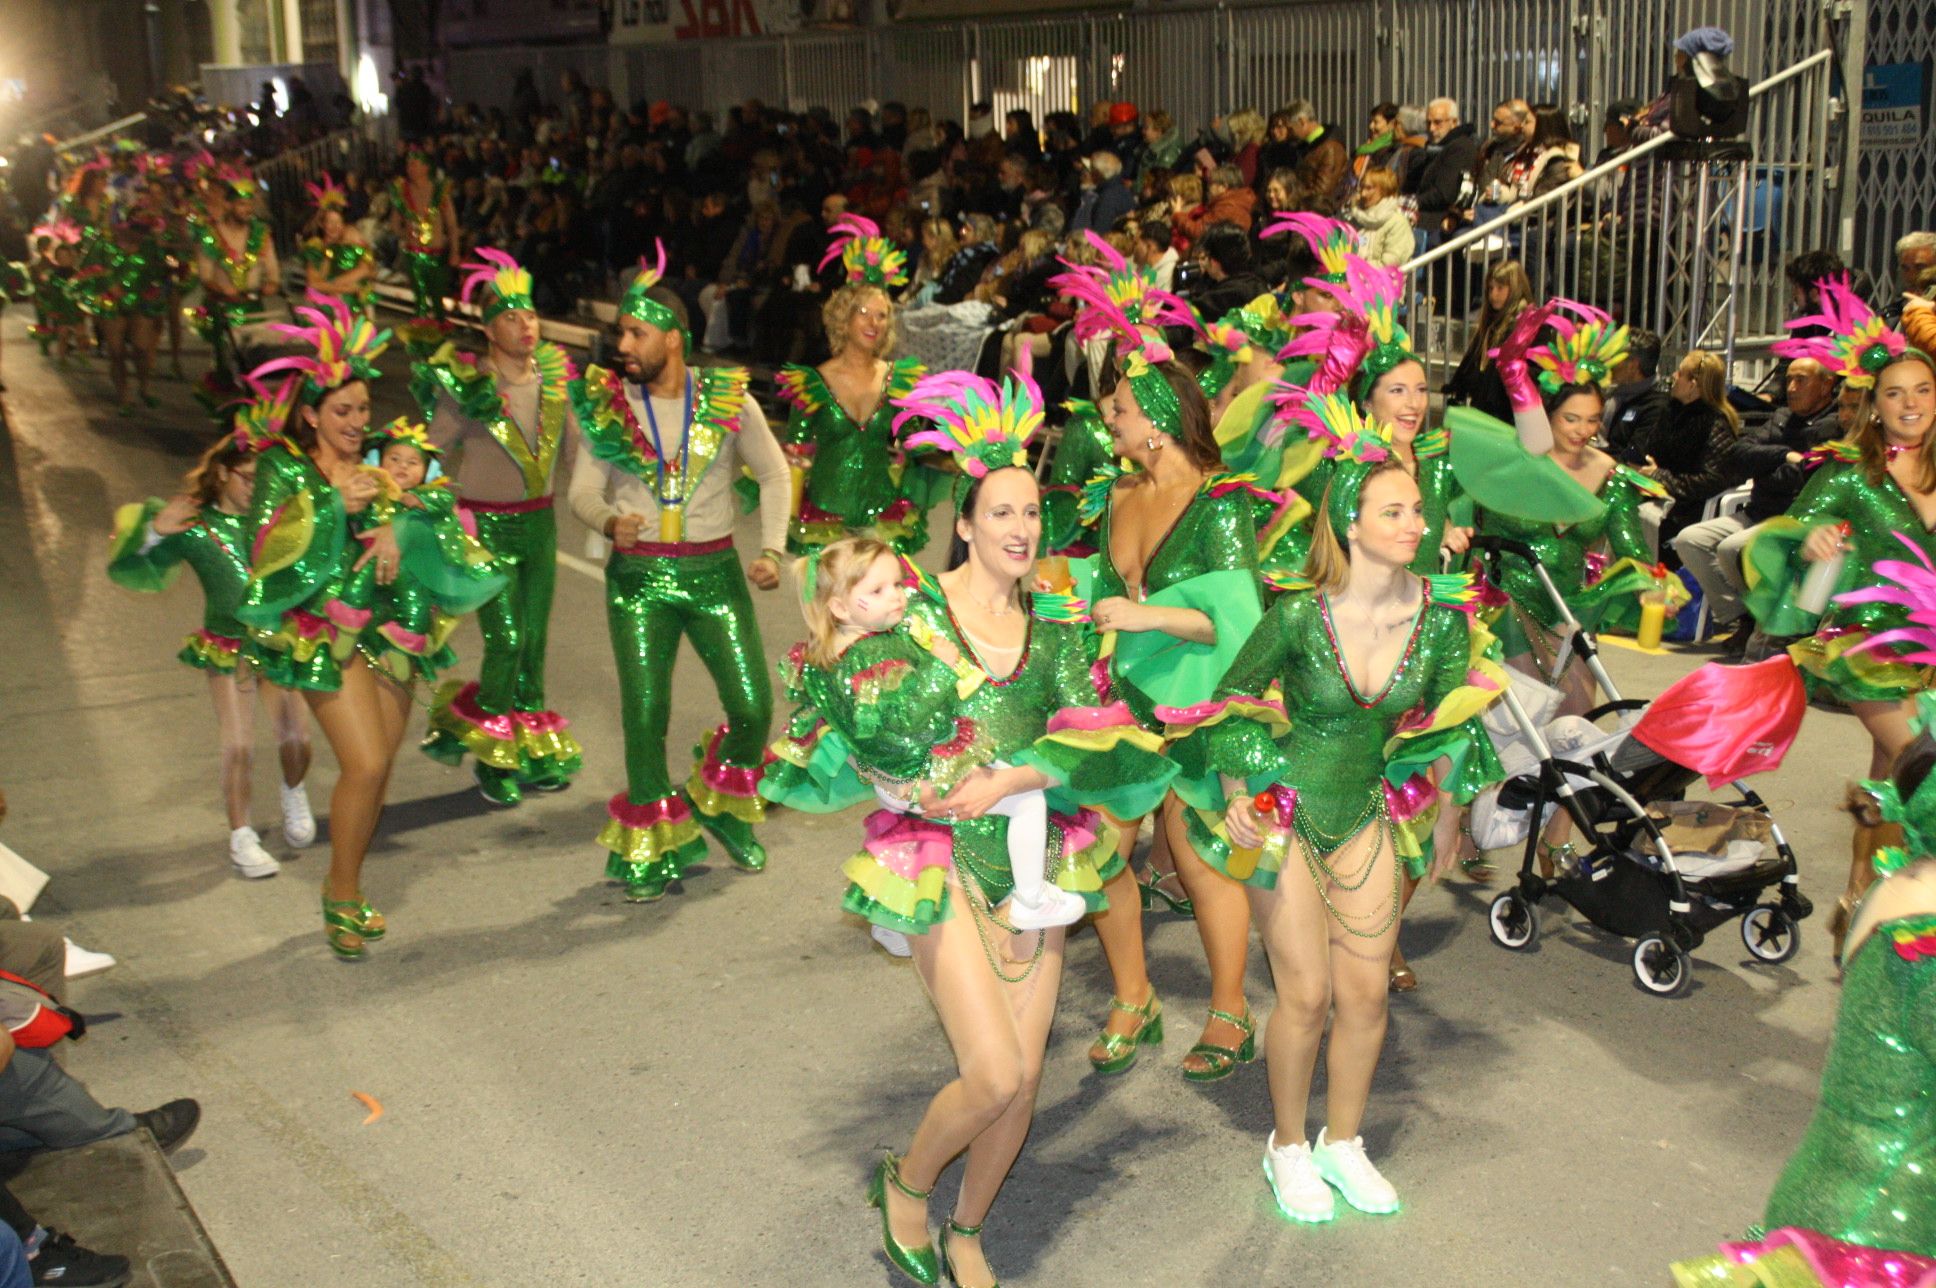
247	856
1056	907
298	824
1343	1164
82	961
893	942
1301	1193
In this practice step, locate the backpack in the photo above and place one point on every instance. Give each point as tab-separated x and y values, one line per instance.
33	1018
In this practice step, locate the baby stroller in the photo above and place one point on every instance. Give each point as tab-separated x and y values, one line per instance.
1656	868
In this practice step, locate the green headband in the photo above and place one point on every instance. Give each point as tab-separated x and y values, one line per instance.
1341	497
637	302
1152	388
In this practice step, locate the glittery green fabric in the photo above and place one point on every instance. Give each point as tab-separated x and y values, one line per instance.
124	270
1437	488
1085	449
1865	1171
1334	754
299	564
443	574
854	477
891	703
1562	552
1215	533
216	550
334	261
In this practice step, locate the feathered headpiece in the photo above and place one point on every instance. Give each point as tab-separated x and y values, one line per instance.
197	164
506	284
1332	241
264	417
1364	340
1117	297
1859	344
1350	437
637	301
1581	353
985	427
327	195
154	165
411	433
867	257
238	181
63	230
1912	587
345	346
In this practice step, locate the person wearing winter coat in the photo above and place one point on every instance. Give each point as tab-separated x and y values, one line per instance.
1384	230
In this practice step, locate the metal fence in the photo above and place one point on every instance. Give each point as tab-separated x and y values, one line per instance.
1690	247
285	202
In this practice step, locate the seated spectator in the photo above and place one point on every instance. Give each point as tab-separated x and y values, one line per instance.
1770	458
1106	196
1279	150
1440	171
1185	200
1126	139
1246	130
1019	137
1634	409
1555	156
1476	383
938	247
975	235
1379	151
1915	257
1156	251
1229	201
1701	427
1229	279
1322	160
1385	230
1162	141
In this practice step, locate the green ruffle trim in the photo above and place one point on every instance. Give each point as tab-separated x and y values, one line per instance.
1239	747
204	656
892	901
319	672
1473	763
635	857
1280	849
815	775
1832	664
1121	772
126	567
474	391
451	565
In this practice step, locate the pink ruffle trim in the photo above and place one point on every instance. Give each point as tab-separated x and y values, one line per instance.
1410	799
1113	716
731	780
906	844
1100	681
1835	1262
501	728
1079	830
667	809
350	619
1201	712
404	638
223	642
309	626
541	721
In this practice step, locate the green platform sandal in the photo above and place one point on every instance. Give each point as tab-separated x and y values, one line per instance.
1223	1061
1153	893
947	1265
919	1264
1120	1049
350	925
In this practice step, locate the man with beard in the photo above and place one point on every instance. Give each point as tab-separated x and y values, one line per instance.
499	420
663	443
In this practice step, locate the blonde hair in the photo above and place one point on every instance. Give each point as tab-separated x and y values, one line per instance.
1188	187
1869	436
1711	380
942	233
1376	185
1246	126
839	310
839	569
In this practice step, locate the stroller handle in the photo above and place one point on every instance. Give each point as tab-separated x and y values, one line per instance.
1505	545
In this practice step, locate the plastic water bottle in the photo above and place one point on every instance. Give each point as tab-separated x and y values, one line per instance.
1822	579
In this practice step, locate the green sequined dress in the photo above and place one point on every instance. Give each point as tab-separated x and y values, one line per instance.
1288	716
1207	561
444	572
859	479
1046	714
215	549
1610	600
1880	518
1085	450
302	628
329	261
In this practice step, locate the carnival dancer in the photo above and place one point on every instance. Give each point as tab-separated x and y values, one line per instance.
1036	704
335	259
663	442
444	573
840	436
888	697
124	280
1174	597
235	261
310	484
502	417
425	222
1348	715
1882	482
1856	1203
205	528
59	324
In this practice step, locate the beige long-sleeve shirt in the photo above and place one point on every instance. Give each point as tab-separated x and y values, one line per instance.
601	491
479	465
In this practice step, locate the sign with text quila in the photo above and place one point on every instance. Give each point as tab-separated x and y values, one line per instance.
657	20
1892	105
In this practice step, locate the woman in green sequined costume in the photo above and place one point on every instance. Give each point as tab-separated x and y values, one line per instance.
1175	595
840	439
335	259
1037	705
1349	772
425	222
1870	502
205	529
310	485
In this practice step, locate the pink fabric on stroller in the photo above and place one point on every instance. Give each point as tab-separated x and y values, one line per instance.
1727	721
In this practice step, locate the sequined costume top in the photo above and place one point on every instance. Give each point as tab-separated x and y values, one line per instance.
322	259
215	548
1881	519
124	268
301	628
1606	600
1207	561
443	572
859	478
1865	1171
1288	715
1085	449
1285	551
422	225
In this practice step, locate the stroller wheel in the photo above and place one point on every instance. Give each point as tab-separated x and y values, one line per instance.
1770	934
1513	921
1662	968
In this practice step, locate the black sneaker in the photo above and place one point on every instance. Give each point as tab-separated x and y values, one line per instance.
66	1264
172	1123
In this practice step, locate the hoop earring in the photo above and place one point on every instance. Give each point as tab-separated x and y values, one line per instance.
1151	445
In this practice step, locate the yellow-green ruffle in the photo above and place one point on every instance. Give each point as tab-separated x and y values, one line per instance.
205	654
662	850
1868	676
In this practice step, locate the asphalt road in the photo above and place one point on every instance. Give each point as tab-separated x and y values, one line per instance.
578	1090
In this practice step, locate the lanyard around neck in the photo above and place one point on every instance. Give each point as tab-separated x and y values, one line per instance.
658	446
